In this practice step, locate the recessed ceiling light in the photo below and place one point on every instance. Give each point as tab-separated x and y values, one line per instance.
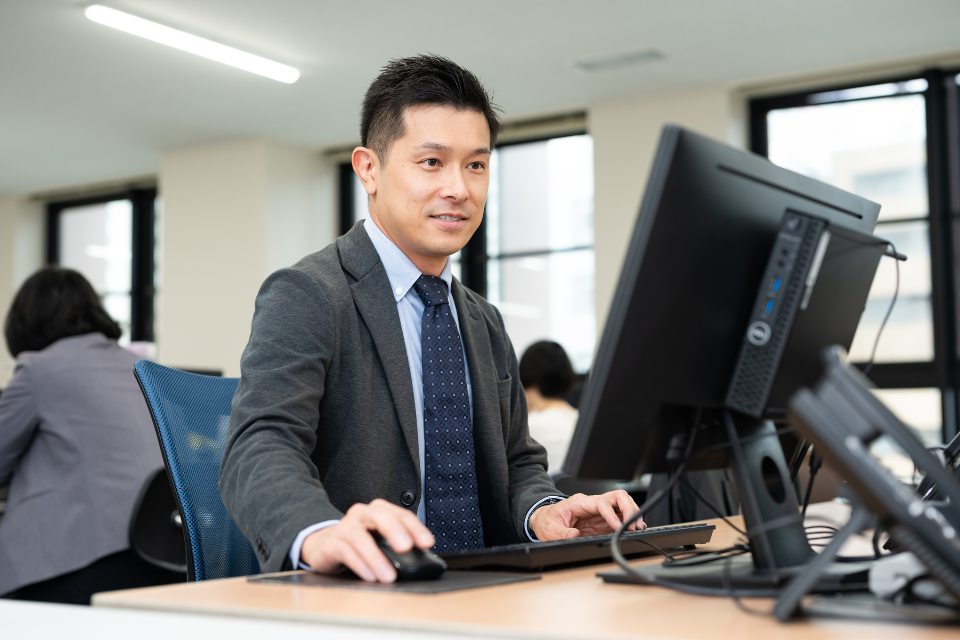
191	43
608	62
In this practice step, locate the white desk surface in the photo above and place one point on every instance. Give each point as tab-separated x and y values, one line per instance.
71	622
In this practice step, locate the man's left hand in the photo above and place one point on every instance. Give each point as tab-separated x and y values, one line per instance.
581	515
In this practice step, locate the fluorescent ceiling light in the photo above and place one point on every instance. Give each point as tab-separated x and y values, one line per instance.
618	60
191	43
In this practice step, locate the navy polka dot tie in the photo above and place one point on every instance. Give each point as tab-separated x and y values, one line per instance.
450	475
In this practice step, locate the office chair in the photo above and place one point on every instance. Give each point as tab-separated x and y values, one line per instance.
156	526
191	413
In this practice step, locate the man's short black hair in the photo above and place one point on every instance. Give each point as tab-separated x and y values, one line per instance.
545	365
55	303
419	80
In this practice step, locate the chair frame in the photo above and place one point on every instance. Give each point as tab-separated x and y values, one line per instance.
191	567
131	529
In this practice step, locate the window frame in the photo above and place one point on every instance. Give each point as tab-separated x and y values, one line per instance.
943	187
142	282
476	258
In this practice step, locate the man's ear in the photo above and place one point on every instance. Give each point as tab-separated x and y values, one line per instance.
366	164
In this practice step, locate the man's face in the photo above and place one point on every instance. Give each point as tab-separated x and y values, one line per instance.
428	197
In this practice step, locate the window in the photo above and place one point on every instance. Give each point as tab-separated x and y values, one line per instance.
110	240
889	142
532	255
539	244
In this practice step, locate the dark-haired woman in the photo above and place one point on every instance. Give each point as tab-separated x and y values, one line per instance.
546	375
76	445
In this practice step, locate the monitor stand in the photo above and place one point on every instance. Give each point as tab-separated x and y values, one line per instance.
771	513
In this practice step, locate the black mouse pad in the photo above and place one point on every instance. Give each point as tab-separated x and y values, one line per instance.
450	581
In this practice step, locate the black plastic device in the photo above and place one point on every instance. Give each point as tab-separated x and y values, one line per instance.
810	296
951	460
843	418
676	362
556	553
416	564
697	257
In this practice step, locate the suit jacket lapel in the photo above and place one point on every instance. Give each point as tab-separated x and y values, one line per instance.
377	307
488	433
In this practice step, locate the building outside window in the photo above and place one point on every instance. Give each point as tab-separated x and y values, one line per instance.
110	240
890	142
540	265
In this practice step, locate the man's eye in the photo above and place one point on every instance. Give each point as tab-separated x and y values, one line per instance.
432	162
476	165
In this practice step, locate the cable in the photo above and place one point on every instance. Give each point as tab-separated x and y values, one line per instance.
798	457
776	523
760	436
698	558
678	586
667	556
726	583
893	301
815	462
877	532
648	504
710	506
821	526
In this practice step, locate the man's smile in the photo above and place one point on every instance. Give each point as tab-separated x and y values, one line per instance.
450	220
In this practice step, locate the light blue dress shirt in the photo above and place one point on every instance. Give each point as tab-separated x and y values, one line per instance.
402	274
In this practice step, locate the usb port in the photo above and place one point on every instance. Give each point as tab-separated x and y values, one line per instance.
769	306
775	285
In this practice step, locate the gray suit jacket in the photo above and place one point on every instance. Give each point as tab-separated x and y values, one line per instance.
79	442
324	414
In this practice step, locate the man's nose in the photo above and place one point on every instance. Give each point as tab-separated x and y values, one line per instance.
454	185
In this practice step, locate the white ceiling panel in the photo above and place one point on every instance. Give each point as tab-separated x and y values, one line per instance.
80	102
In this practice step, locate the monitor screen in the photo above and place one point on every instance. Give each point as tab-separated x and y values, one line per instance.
700	248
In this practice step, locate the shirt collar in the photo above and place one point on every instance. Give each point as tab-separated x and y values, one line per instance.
401	272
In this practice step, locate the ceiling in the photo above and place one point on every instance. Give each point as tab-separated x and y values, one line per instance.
82	103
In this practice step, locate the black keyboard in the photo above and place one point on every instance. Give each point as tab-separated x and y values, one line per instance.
541	555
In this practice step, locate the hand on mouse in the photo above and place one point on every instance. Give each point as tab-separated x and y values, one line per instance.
350	544
581	515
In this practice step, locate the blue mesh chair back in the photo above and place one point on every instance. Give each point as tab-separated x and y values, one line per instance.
191	413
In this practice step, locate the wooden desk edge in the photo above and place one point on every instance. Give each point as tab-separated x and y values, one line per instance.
105	601
237	597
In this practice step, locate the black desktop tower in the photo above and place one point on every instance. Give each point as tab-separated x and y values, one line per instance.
807	252
793	266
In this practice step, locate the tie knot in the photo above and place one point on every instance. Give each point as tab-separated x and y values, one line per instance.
432	290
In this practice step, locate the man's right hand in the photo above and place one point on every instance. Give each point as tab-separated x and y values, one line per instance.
350	544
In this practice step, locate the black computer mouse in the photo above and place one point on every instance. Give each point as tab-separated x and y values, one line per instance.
416	564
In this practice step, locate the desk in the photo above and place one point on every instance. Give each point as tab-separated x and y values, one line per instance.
67	621
573	603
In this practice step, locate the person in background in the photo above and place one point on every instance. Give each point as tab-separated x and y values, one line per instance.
76	445
546	375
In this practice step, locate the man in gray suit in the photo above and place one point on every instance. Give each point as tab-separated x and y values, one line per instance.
377	393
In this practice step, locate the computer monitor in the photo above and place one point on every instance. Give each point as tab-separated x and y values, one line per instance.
737	276
708	221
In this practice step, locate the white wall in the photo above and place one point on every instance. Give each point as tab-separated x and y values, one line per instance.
625	135
235	212
21	253
232	214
